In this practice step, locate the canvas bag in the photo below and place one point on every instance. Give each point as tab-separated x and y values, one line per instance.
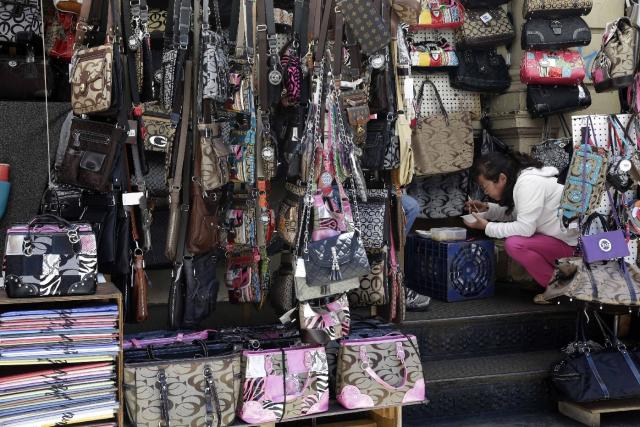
441	143
380	371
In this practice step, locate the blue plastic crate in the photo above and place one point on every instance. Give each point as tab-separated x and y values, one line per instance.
450	271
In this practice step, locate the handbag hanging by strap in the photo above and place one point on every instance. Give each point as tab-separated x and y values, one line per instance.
270	71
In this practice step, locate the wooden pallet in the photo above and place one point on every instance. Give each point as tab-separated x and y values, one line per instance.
589	413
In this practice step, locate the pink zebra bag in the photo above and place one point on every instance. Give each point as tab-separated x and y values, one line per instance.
319	325
384	371
283	384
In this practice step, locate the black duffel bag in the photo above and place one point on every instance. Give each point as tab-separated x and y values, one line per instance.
545	100
590	375
481	71
538	33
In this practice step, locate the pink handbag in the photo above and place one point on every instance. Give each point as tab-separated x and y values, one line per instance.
383	371
331	321
274	391
163	338
562	67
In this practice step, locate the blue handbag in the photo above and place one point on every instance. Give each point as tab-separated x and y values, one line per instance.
5	187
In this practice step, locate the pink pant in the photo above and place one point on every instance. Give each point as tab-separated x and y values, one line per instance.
537	254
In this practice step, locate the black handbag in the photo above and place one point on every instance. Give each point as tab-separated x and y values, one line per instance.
545	100
590	374
376	143
546	34
481	71
555	152
22	77
338	258
482	4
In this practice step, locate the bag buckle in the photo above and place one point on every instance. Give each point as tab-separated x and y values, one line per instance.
556	27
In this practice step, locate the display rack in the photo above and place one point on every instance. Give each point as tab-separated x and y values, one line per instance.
452	99
600	127
106	292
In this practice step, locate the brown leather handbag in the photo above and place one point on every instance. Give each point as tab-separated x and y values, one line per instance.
442	143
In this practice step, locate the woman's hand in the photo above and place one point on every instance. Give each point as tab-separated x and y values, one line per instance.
479	224
476	206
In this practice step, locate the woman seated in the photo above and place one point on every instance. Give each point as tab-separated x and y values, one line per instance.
527	212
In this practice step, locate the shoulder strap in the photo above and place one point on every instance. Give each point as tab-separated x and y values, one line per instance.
337	46
323	31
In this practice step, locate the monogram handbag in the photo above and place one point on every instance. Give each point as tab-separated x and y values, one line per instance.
442	143
379	371
373	212
544	100
407	10
19	17
561	33
603	246
160	131
330	321
91	154
215	67
441	196
214	170
563	67
555	152
555	8
283	384
614	65
484	28
373	286
193	391
609	283
440	14
50	256
481	71
377	140
367	25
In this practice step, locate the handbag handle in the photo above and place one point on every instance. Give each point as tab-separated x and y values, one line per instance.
420	99
366	366
589	221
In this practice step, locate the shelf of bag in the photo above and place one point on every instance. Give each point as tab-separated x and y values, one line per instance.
104	292
381	416
589	413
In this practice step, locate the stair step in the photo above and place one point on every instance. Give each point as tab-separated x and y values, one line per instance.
507	323
481	385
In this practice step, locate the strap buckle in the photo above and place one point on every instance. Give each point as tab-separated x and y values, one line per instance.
261	27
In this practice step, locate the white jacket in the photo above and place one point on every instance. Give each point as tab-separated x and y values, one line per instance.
536	198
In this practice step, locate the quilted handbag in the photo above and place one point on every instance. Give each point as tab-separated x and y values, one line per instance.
609	283
283	384
555	8
336	259
325	323
441	196
561	33
19	17
484	28
563	67
442	143
481	71
50	256
544	100
367	25
433	54
379	371
193	391
586	178
373	213
373	286
440	14
407	10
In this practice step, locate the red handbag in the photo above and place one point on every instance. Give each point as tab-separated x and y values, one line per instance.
562	67
63	41
440	14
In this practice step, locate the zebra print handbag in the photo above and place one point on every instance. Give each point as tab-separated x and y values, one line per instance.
50	256
285	383
331	321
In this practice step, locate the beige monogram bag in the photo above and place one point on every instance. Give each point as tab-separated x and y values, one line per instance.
442	143
214	169
91	74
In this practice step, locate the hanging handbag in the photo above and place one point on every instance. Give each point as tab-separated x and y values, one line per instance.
215	64
441	196
440	14
19	17
64	37
282	293
543	100
214	170
336	259
564	67
481	71
330	321
555	152
561	33
620	159
484	28
433	54
50	256
373	286
367	25
597	373
403	174
407	10
242	278
374	213
441	143
603	246
555	8
164	392
381	371
585	181
614	283
22	77
377	140
91	154
289	214
614	66
160	129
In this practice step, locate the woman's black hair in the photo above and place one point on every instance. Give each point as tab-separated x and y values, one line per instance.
511	163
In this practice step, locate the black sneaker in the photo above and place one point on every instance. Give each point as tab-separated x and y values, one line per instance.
415	301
